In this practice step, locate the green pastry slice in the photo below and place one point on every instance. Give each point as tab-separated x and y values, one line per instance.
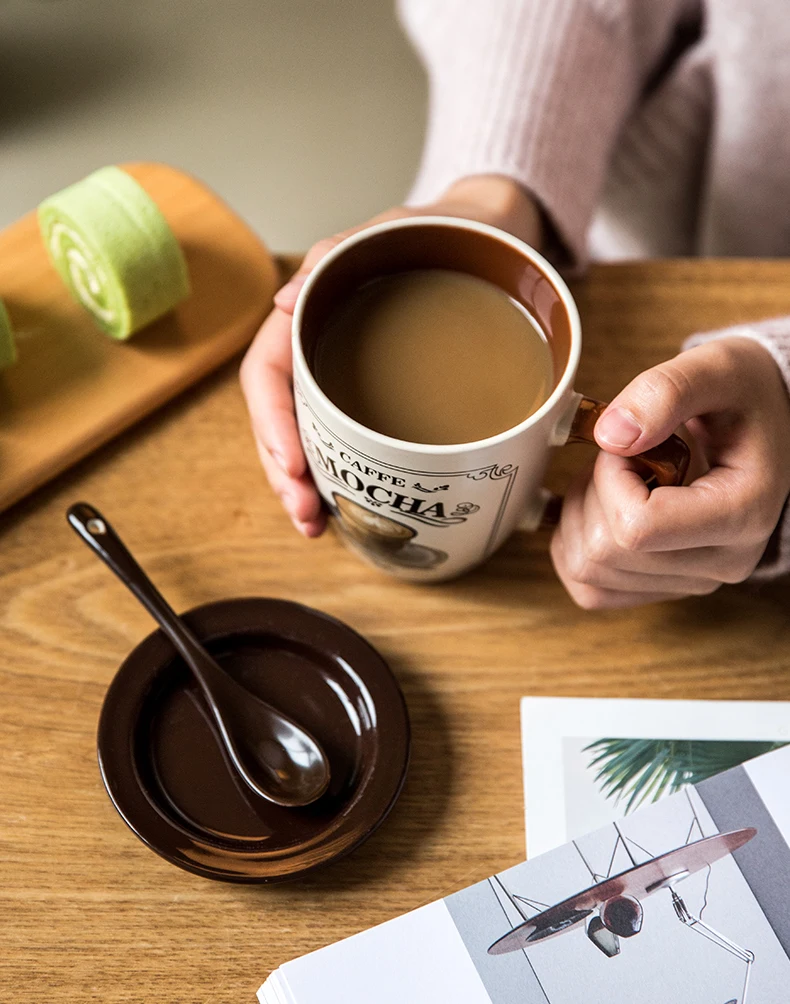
114	250
7	343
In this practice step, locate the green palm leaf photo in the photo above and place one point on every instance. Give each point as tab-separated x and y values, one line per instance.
642	770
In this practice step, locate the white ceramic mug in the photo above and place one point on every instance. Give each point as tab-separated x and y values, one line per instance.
433	512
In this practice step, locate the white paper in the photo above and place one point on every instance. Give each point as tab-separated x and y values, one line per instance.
416	959
560	795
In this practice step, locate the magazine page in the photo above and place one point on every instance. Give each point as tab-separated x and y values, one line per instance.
419	958
683	901
590	761
709	924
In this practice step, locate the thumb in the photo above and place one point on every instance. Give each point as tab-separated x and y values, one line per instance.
663	398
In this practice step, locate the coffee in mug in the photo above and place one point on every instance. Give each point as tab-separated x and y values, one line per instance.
433	356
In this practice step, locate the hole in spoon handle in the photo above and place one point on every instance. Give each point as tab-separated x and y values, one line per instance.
98	533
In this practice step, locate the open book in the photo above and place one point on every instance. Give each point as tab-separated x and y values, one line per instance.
687	900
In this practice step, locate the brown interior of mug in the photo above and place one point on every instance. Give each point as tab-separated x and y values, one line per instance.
432	245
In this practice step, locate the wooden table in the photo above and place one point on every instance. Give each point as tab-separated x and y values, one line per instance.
87	912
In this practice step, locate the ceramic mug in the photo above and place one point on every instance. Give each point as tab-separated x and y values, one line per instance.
432	512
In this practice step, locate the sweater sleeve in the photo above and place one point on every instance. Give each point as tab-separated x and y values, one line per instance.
774	336
536	90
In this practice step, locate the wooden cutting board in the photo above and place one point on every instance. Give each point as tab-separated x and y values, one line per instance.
73	388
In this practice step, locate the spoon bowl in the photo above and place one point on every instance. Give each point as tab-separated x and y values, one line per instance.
276	758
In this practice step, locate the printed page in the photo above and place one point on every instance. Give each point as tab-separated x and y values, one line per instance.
682	901
568	742
709	924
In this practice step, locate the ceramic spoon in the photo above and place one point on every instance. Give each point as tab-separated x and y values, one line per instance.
277	759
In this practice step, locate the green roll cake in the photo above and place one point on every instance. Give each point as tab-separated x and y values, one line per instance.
7	343
114	250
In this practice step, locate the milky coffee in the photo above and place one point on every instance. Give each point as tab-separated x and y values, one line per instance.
433	356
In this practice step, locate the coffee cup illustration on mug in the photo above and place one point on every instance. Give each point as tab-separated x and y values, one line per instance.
381	539
431	511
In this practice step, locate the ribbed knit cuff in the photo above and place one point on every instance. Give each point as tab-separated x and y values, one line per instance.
774	336
530	89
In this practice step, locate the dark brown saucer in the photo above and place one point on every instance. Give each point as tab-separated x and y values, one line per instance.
167	776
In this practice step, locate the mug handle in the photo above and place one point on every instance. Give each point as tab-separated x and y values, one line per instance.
664	465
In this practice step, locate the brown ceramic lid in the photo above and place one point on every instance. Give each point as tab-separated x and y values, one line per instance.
164	770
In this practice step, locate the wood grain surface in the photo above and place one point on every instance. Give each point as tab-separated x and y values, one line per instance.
72	387
87	912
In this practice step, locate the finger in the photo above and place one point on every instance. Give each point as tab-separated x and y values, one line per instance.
725	507
298	496
286	297
655	403
267	383
593	544
583	524
594	598
605	577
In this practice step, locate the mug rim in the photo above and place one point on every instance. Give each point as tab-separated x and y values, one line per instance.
442	449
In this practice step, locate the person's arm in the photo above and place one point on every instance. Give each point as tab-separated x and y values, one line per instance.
526	99
536	90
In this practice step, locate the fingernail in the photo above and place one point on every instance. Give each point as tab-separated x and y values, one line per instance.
285	297
303	528
618	428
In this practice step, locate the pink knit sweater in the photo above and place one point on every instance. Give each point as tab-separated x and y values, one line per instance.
643	128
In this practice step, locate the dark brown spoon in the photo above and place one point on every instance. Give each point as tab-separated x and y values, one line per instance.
276	758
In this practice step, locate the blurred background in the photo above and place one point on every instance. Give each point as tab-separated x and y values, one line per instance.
305	115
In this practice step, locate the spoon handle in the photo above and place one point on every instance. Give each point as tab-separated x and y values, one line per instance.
99	535
276	758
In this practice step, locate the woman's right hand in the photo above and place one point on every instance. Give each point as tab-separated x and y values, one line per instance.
267	373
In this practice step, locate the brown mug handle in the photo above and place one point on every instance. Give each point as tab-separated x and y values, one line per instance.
665	465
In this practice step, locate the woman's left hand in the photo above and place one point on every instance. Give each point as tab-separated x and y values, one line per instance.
618	545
